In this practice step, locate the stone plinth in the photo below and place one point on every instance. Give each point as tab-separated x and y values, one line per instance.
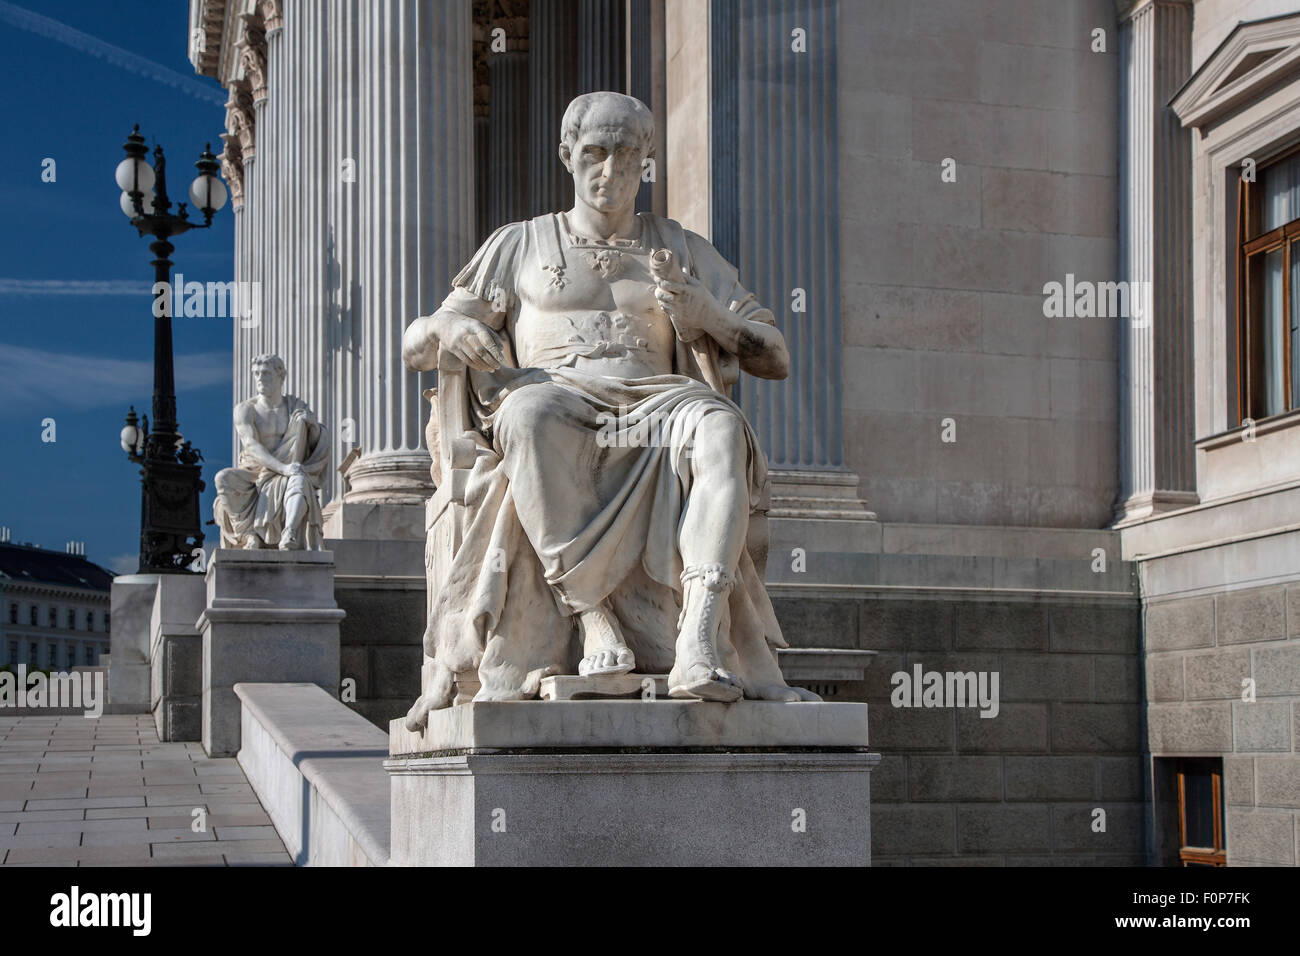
270	618
131	607
633	783
176	656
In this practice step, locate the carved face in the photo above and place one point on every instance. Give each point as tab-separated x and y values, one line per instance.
268	378
606	165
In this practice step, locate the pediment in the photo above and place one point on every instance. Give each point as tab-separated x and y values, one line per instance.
1253	58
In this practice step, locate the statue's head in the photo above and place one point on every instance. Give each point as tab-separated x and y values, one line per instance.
604	139
268	374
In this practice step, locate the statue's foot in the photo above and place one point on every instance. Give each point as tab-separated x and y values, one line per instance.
701	681
780	692
603	647
436	696
290	542
252	543
697	670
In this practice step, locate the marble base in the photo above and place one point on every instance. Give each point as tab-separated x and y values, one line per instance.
601	686
270	618
176	657
585	724
633	783
131	607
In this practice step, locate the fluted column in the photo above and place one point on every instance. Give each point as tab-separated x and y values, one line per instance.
507	138
552	83
602	45
343	247
788	228
272	189
1157	463
640	74
417	220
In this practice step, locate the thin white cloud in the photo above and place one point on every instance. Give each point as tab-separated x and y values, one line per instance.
85	43
74	287
42	379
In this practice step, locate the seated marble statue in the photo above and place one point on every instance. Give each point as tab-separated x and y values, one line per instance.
617	480
271	500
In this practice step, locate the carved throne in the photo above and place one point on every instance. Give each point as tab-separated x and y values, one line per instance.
453	440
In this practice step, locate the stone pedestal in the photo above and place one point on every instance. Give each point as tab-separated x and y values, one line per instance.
176	656
374	521
131	607
633	783
270	618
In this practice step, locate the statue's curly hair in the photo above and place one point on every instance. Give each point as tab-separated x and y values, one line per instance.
642	119
270	359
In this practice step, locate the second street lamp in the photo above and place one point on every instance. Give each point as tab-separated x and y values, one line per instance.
170	473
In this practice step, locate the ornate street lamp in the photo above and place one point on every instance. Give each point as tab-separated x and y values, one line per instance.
170	473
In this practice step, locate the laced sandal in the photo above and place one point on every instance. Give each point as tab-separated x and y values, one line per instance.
697	669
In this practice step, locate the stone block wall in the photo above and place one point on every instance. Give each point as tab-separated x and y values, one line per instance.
381	646
943	305
1199	651
1021	788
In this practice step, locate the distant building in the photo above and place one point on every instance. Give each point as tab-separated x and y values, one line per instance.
53	608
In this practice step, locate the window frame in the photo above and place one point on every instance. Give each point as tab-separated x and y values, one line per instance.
1250	244
1216	855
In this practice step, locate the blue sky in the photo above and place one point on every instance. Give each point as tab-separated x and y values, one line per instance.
76	327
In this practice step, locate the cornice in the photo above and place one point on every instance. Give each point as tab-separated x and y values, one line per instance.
1251	60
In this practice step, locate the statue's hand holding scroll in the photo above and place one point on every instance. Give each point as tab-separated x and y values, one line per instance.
683	298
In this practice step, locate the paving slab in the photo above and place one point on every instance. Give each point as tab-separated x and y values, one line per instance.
108	793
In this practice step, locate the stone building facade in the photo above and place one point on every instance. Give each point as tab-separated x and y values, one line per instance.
54	609
969	478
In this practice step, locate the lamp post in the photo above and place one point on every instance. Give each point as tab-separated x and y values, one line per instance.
170	473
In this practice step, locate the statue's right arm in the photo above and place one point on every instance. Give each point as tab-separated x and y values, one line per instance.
246	428
467	336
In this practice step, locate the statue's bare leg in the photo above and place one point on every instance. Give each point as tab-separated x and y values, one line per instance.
295	521
603	647
711	536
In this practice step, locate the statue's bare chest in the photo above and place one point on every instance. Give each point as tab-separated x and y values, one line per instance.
599	305
271	423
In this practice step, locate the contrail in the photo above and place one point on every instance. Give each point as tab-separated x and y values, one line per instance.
74	287
85	43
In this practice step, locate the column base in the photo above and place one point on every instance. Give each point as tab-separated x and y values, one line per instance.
820	511
1140	507
389	478
374	521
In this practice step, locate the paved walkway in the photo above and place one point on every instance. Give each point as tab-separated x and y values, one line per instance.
82	792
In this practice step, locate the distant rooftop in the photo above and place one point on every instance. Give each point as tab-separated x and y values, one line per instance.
27	562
